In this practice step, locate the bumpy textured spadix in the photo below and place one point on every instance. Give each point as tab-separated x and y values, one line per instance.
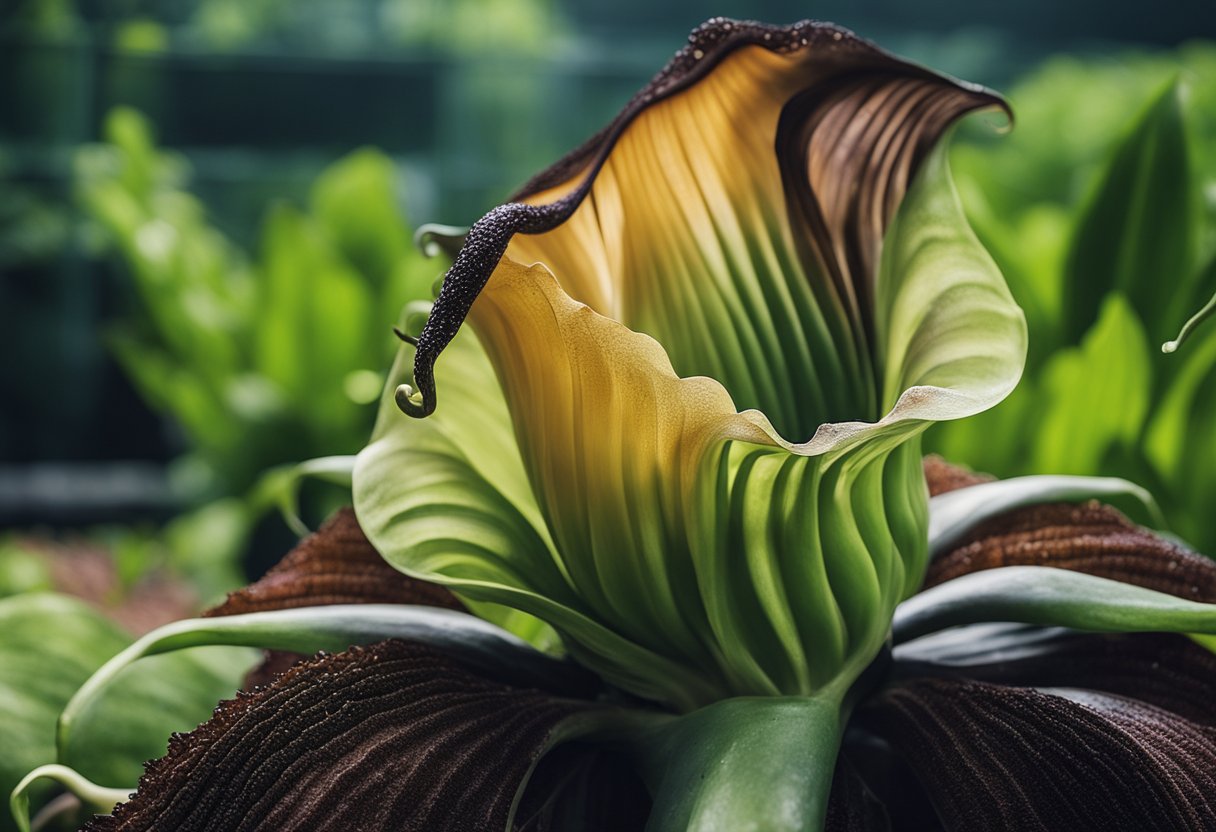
682	426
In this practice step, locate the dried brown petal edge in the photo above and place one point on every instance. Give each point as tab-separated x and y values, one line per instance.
335	565
943	476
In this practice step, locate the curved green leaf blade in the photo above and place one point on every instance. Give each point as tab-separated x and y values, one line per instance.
98	797
1049	597
131	721
281	486
954	514
50	647
479	644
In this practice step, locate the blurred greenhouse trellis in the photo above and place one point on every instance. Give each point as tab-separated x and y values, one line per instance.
464	98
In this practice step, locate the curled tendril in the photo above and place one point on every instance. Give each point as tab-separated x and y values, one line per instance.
1208	311
434	239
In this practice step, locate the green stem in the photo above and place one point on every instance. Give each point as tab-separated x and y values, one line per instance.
98	797
754	763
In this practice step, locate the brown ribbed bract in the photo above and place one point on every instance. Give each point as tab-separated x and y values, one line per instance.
943	476
851	807
392	736
1162	669
336	565
1090	538
583	787
1003	758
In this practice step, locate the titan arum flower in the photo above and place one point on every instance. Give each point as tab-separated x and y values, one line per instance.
669	403
683	427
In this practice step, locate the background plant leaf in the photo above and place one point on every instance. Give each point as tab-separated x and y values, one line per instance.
1137	236
51	645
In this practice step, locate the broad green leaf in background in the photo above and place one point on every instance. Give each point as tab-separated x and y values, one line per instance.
51	646
21	569
1094	396
130	722
354	200
1137	235
1092	206
262	359
314	308
1166	442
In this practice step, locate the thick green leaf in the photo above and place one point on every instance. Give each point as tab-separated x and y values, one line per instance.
483	646
953	514
1094	397
753	764
50	645
1137	236
1050	597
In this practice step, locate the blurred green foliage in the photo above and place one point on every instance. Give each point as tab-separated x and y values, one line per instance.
456	26
262	359
21	569
51	645
1100	207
